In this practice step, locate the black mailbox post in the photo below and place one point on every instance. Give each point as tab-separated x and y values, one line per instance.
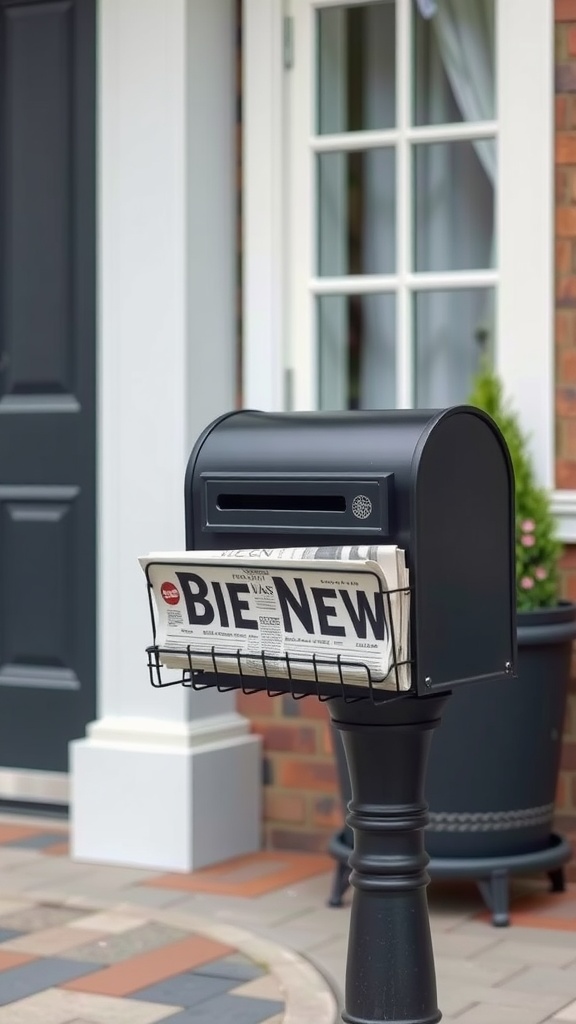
438	484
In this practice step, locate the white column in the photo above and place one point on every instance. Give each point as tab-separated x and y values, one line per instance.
170	778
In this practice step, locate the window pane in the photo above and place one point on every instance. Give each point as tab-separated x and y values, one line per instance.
356	84
452	329
357	351
357	212
454	205
454	51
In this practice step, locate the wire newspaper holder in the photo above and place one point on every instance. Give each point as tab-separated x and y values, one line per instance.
268	681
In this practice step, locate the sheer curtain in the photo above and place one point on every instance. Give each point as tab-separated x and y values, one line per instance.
377	362
465	33
454	185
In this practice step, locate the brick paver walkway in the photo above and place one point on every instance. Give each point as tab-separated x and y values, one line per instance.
247	942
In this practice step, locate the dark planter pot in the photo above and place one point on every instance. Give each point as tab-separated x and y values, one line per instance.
494	761
493	770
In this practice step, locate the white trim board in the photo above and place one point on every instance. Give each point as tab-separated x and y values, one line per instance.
564	510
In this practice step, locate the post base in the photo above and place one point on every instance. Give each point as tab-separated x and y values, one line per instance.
148	800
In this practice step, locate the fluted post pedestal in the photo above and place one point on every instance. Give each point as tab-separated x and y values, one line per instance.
390	974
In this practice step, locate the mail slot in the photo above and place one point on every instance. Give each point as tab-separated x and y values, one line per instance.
438	484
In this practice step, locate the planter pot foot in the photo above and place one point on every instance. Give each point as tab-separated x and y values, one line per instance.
340	884
495	893
557	880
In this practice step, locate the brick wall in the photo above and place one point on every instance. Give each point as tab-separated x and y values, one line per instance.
301	803
565	158
566	243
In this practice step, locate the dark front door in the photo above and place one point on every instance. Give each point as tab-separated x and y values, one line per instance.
47	379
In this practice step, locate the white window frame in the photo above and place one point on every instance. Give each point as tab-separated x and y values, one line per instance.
278	354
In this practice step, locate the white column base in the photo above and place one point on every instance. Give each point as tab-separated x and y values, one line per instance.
164	795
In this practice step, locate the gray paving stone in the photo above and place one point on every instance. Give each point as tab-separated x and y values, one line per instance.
237	967
527	954
187	990
35	919
455	996
476	972
484	1013
120	946
518	933
28	979
146	896
543	980
40	841
231	1010
11	855
452	944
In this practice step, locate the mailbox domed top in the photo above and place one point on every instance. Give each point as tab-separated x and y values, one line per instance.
438	484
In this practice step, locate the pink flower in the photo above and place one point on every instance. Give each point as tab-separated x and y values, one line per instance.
526	583
540	573
528	540
528	526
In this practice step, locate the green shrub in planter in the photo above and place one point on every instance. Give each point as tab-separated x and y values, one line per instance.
537	549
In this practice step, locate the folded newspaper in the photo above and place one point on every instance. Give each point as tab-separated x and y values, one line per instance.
331	614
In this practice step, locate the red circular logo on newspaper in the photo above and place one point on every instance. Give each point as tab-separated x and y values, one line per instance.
170	593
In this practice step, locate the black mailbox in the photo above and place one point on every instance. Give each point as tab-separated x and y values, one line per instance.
438	484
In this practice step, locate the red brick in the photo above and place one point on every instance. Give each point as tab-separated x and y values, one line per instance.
564	327
310	707
569	756
562	186
568	449
567	367
565	10
563	256
566	222
565	402
566	823
287	737
572	41
284	807
571	112
571	176
290	839
256	705
565	148
561	112
327	742
565	77
566	475
568	589
568	560
566	291
303	773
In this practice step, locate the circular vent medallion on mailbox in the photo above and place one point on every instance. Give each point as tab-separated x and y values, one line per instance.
361	506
